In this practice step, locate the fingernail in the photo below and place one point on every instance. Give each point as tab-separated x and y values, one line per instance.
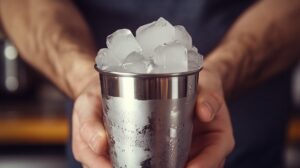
94	142
207	109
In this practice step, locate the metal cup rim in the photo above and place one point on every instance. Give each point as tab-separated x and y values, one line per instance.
144	75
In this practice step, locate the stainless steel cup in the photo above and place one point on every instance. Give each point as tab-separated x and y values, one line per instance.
148	117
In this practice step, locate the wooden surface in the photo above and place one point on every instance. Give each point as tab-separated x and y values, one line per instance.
33	130
55	130
294	130
33	122
36	123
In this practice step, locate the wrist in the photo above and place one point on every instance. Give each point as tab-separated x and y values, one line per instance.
214	67
80	73
225	62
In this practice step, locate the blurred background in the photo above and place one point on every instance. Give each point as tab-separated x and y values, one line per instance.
33	123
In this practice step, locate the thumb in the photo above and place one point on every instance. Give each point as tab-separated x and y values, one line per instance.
88	110
208	105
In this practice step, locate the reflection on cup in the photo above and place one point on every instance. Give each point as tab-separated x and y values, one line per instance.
148	117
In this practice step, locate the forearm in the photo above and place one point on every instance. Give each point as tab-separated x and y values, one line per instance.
263	41
53	37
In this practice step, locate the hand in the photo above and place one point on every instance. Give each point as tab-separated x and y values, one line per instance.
89	141
212	139
212	136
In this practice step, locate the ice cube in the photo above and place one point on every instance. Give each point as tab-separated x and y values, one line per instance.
137	63
155	34
195	60
171	58
121	43
105	59
183	37
158	48
195	49
143	27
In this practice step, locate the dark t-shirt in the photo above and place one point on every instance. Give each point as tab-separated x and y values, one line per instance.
205	20
259	116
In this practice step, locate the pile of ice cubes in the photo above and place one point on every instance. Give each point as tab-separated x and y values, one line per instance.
158	47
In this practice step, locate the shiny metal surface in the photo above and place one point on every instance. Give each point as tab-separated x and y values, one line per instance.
149	86
145	75
148	118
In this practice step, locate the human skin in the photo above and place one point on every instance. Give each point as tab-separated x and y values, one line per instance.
52	36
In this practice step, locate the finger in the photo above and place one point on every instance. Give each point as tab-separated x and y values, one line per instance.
211	156
88	110
208	104
222	164
213	143
91	160
82	151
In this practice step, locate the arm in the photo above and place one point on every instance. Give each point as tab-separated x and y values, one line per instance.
263	42
52	36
